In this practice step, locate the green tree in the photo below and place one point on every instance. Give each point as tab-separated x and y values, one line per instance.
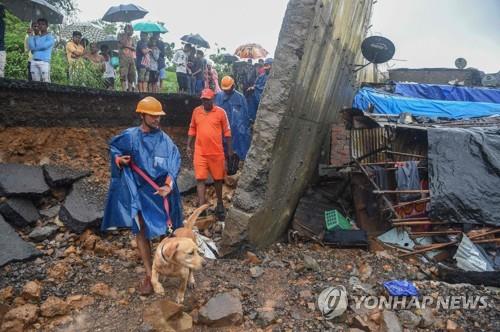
17	59
221	65
68	7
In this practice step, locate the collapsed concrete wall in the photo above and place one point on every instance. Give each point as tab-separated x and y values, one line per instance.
33	104
312	79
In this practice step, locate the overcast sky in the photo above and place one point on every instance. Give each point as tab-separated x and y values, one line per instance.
427	33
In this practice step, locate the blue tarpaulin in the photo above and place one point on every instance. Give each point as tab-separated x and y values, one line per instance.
388	103
448	92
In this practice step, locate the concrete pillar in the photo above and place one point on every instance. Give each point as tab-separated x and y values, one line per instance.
311	80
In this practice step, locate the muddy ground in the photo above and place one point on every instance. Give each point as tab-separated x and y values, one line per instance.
278	291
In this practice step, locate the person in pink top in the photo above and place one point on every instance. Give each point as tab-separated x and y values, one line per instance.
211	77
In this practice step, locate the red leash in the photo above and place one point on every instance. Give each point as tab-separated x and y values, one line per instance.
143	175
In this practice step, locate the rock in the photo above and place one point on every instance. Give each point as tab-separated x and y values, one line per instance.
252	258
57	176
51	212
70	250
3	310
408	319
159	312
360	323
12	247
184	323
427	317
26	314
19	212
106	268
390	322
32	291
305	294
186	182
365	271
59	271
222	310
18	301
43	232
54	306
80	211
22	180
453	327
256	271
265	317
6	294
104	290
79	301
311	264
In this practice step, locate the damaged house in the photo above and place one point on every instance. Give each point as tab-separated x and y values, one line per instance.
424	168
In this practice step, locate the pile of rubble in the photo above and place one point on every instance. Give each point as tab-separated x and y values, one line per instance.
39	200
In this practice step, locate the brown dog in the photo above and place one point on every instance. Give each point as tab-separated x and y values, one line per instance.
178	256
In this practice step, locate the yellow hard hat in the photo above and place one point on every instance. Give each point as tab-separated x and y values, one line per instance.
151	106
226	83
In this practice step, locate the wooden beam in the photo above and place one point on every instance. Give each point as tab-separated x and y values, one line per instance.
420	191
405	154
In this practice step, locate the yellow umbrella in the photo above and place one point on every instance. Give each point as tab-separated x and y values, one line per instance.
251	51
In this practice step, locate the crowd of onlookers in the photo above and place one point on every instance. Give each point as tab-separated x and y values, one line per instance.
140	64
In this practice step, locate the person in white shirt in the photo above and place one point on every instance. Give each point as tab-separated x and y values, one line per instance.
180	60
109	72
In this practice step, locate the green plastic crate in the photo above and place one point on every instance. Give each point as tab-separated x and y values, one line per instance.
335	220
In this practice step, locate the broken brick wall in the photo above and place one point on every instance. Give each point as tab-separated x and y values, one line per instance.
311	81
340	145
34	104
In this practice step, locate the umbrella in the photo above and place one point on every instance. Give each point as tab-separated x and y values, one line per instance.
124	13
251	51
195	39
31	10
89	31
109	40
149	27
229	58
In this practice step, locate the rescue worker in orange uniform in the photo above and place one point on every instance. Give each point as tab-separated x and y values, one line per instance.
209	125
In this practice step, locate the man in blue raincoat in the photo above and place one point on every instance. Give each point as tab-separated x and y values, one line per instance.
140	201
235	105
258	88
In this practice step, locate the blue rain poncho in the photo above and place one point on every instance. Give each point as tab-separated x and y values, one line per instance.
236	109
254	98
157	155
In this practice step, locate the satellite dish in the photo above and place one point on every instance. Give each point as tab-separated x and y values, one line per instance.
377	49
489	80
460	63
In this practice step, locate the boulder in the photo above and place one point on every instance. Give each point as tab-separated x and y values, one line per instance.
81	209
22	180
58	176
256	271
43	232
186	181
265	317
19	212
54	306
158	314
12	247
79	301
222	310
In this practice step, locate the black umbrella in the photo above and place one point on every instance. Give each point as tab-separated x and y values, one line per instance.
110	40
31	10
229	58
124	13
195	39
